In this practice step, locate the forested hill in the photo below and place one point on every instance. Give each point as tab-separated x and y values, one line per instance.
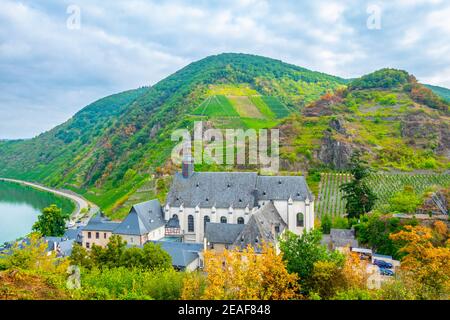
112	151
111	147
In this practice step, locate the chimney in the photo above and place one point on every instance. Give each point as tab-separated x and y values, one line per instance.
187	166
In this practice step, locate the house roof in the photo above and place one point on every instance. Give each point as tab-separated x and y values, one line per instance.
343	237
143	218
225	233
236	189
182	253
282	188
207	189
72	234
261	227
342	233
99	223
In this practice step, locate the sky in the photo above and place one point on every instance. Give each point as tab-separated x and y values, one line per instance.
58	56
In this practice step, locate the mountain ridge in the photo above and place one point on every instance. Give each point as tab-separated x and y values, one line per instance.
113	147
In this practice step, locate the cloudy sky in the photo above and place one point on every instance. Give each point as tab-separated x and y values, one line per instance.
52	63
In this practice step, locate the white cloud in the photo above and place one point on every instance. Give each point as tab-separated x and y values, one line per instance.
49	72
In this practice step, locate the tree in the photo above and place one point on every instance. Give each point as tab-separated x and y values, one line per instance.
326	224
301	252
33	256
333	276
425	264
243	275
406	201
359	197
51	222
155	258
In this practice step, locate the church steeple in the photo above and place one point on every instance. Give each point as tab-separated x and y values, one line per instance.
187	166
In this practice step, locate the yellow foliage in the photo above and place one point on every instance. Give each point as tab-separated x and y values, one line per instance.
243	275
426	263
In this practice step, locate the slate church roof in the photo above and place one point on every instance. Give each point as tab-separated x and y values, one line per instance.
142	219
264	226
219	189
282	187
225	233
236	189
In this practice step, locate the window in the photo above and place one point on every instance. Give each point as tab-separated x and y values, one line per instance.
300	220
104	235
223	220
97	235
87	244
240	220
89	235
206	219
277	229
190	223
175	216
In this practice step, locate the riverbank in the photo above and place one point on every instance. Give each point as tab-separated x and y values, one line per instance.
84	209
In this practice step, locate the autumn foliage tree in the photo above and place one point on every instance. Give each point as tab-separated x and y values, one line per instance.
426	264
242	275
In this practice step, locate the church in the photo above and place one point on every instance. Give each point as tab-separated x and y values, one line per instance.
197	199
216	209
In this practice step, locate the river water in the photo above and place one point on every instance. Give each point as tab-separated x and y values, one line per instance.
20	207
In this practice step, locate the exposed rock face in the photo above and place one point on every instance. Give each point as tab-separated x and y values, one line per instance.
335	153
338	125
426	132
154	130
436	203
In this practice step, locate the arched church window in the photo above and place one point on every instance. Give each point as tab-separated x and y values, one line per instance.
300	220
205	220
240	220
175	216
223	219
190	223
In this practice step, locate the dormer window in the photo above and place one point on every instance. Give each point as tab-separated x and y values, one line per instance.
207	199
240	200
298	194
279	181
228	185
264	193
197	185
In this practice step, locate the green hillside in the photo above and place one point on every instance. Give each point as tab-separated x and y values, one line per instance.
111	148
115	151
399	123
444	93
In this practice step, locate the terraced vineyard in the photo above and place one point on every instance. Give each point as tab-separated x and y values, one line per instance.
384	185
330	199
280	110
216	106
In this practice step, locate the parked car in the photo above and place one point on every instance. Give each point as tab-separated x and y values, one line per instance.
386	272
382	264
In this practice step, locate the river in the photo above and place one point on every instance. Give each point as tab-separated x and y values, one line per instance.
20	206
